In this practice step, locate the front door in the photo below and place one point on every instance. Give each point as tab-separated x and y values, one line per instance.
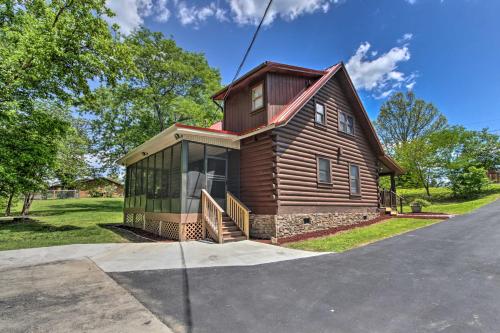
216	178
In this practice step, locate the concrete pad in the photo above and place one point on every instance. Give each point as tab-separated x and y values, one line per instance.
69	296
151	256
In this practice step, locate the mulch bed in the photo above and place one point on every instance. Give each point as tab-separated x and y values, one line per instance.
330	231
425	215
144	234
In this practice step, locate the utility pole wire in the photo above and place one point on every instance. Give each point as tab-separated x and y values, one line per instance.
248	50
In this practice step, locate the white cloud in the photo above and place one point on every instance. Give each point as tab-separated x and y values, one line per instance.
251	11
130	14
380	75
195	15
406	38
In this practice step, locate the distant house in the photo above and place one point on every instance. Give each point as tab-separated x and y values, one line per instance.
494	175
85	188
294	153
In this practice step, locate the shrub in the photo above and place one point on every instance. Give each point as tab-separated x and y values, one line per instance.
421	202
468	181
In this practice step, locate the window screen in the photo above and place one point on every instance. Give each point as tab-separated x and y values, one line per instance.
354	179
346	123
320	117
257	97
324	170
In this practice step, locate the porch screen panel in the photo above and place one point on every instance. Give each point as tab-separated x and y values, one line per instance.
138	185
129	186
195	176
150	183
176	179
143	177
157	182
165	180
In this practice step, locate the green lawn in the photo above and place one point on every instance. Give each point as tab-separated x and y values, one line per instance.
66	221
361	236
443	202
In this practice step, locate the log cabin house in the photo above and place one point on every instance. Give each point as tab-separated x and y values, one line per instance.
294	153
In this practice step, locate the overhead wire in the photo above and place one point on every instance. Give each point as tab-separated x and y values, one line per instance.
247	52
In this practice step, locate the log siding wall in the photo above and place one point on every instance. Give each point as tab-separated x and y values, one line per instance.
238	114
300	142
257	173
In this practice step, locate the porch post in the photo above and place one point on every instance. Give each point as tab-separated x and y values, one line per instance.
393	183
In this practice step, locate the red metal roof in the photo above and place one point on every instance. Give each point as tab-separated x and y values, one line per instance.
216	126
268	66
296	105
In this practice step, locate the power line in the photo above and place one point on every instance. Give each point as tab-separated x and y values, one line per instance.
248	50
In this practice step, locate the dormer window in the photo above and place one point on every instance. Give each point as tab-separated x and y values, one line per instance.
346	123
320	117
257	97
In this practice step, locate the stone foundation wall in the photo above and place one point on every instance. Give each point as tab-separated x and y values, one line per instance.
293	224
262	226
286	225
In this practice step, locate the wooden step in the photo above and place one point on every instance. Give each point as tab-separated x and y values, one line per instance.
230	228
234	239
235	233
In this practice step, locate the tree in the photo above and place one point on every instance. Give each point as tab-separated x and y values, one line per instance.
49	51
52	49
404	118
30	144
467	181
72	164
440	157
419	159
481	149
170	85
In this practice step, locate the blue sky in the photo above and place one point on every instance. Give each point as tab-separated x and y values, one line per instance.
447	51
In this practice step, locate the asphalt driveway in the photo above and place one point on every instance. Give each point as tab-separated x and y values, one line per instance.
444	278
69	296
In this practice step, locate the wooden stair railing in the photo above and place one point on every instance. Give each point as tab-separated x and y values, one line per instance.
239	213
390	199
211	217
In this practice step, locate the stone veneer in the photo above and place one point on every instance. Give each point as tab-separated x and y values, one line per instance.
262	226
286	225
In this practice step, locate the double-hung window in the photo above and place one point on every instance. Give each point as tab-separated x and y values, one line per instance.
320	116
346	123
257	97
354	183
324	171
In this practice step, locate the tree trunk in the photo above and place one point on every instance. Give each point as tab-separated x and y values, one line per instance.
28	200
9	204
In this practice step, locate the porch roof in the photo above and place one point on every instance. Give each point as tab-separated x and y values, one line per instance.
177	133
